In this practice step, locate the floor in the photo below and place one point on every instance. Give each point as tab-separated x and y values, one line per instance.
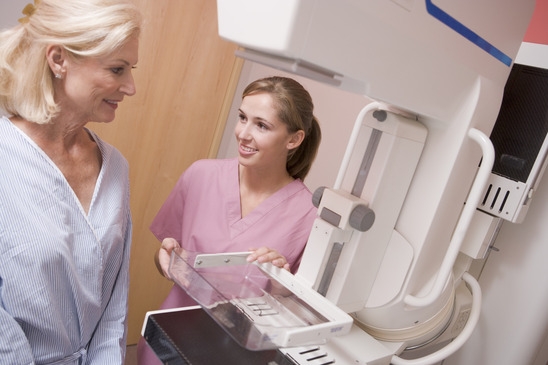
131	355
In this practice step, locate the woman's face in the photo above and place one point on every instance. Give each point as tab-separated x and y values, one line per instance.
263	139
93	87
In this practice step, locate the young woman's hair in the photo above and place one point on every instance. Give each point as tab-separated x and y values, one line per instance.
296	110
85	28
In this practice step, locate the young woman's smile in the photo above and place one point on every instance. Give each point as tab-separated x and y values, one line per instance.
262	137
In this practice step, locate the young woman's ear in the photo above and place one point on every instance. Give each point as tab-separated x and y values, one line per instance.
296	139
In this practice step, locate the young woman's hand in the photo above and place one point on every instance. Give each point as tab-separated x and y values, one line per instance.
163	256
265	254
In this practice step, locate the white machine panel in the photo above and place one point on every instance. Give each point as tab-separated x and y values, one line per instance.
444	65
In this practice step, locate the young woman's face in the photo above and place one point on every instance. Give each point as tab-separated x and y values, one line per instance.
263	139
93	87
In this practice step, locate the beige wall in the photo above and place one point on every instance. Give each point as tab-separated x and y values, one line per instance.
184	75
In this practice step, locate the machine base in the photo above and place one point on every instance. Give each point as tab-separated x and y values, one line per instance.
190	336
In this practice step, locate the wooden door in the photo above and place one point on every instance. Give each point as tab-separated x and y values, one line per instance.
185	80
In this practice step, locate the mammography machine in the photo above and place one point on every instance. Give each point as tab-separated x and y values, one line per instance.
386	275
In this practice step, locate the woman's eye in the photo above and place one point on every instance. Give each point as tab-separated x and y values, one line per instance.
117	70
262	126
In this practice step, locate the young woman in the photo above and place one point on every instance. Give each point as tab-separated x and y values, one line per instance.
257	201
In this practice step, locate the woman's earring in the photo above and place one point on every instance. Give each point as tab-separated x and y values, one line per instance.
58	76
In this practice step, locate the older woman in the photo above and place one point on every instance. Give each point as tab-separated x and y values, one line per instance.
65	224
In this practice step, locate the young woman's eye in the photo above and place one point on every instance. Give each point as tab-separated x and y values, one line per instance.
117	70
241	117
262	126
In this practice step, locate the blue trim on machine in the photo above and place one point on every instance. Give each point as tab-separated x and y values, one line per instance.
466	32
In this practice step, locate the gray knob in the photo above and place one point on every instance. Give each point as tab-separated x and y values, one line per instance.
361	218
317	196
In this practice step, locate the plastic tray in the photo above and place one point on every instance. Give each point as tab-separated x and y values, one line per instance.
259	305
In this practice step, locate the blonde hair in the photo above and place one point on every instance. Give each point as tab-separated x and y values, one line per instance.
296	109
85	28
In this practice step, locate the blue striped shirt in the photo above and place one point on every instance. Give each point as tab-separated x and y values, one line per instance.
63	273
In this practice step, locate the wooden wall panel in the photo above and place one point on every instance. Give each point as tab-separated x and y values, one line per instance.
185	80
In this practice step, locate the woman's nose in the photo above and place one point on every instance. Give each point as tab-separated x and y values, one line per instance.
128	87
244	132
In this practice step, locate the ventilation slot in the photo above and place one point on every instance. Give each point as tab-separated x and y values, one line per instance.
495	199
310	355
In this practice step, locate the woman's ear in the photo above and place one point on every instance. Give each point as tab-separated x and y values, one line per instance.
295	140
56	58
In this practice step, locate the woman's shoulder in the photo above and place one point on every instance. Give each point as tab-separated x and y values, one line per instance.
298	187
212	166
208	172
298	196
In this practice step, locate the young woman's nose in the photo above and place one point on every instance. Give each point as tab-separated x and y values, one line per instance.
244	131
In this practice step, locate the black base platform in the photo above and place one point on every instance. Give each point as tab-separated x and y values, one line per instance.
192	337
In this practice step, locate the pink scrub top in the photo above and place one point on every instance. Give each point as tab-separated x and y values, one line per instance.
203	214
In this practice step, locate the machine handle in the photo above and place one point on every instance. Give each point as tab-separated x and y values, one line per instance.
375	105
474	197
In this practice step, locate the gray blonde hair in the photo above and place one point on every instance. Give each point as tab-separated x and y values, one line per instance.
85	28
